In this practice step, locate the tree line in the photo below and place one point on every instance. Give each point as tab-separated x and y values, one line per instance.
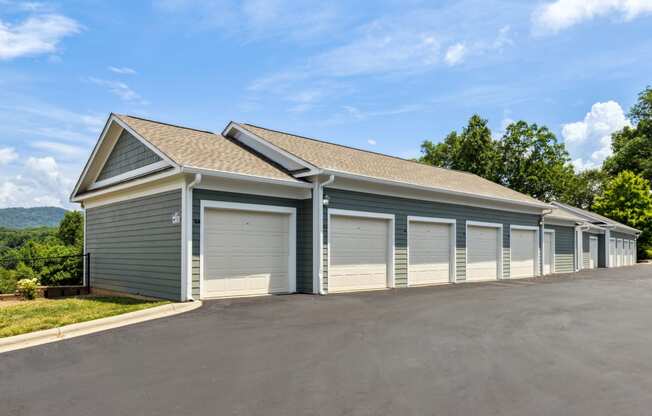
529	159
50	255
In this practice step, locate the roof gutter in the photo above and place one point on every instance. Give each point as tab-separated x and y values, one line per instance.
245	177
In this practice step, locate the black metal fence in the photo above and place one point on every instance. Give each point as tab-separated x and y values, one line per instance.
53	271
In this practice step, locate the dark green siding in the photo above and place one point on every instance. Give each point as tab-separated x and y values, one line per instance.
134	246
602	262
403	207
564	248
128	154
304	230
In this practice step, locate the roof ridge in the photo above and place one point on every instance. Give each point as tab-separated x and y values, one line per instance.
364	150
167	124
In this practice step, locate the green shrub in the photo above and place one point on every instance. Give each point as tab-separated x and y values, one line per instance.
27	288
7	281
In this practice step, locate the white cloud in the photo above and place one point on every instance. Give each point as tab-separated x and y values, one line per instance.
592	135
61	149
555	16
122	70
582	165
34	36
372	142
255	19
394	46
40	182
455	54
7	155
120	89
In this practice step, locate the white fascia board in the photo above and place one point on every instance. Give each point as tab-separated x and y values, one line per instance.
588	216
143	140
91	157
275	153
125	185
152	167
560	222
242	176
113	119
540	205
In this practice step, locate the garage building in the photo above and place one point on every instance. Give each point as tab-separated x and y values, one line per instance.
180	213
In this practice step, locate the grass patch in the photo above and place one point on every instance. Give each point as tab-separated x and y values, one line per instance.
40	314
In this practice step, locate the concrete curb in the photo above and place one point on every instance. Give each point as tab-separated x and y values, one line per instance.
83	328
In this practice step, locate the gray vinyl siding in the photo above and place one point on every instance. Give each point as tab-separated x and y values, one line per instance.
564	248
128	154
304	231
134	246
403	207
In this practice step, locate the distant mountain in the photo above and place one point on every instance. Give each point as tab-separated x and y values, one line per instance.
30	217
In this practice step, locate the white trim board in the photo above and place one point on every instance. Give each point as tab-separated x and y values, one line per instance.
391	218
537	247
452	274
152	167
284	158
112	121
292	234
500	272
553	267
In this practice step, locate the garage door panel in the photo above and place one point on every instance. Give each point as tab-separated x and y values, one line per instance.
358	253
429	252
245	253
482	253
523	253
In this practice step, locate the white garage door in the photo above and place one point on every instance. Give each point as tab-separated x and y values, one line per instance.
612	252
628	252
429	247
245	253
358	253
593	252
619	253
482	253
523	253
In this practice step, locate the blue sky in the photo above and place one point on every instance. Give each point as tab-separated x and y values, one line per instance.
382	76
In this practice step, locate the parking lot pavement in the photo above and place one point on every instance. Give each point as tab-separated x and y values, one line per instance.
564	345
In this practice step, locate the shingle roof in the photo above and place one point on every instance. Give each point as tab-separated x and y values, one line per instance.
564	215
592	215
334	157
203	149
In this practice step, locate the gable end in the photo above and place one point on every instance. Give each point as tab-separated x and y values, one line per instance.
128	154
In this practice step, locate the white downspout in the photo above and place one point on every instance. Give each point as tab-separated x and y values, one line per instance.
187	223
318	234
542	234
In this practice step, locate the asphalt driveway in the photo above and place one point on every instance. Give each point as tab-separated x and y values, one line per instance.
579	345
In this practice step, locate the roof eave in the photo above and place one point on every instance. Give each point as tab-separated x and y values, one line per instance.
539	205
246	177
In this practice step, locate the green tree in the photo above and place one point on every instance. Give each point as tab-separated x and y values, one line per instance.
632	146
584	187
531	161
472	150
627	199
71	229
